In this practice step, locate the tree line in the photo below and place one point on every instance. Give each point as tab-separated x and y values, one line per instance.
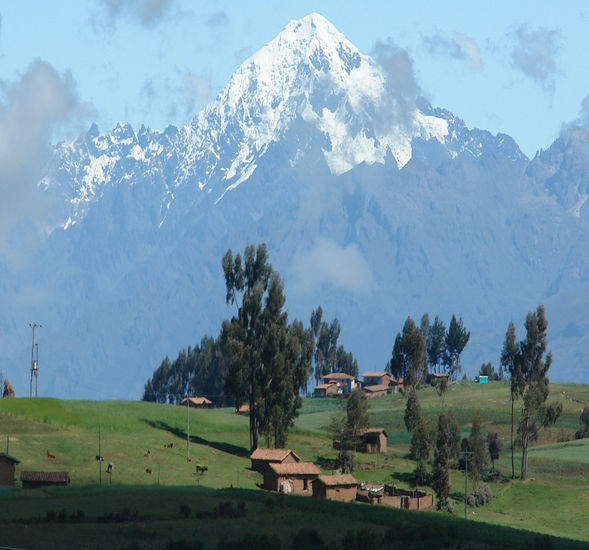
260	358
428	348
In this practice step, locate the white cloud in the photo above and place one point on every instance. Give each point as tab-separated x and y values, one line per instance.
534	54
328	264
146	12
31	109
460	46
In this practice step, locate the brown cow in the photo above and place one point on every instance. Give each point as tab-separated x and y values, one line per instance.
50	455
168	445
201	468
148	471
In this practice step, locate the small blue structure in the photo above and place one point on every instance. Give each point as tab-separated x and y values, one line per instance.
483	379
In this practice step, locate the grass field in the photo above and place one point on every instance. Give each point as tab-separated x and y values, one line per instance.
554	501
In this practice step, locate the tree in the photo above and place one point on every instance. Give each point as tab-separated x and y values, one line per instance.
357	417
436	344
511	362
535	365
456	339
583	432
8	389
412	411
442	459
261	345
409	355
494	446
346	362
476	444
488	370
420	442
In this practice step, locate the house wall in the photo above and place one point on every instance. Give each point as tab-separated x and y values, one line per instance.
343	494
37	484
6	473
301	485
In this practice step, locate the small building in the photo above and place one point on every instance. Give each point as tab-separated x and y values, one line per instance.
376	378
325	390
483	380
396	385
34	480
243	409
294	478
376	390
345	382
374	440
7	466
435	377
197	402
339	487
262	458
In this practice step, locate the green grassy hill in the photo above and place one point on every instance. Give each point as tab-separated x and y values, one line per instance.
554	501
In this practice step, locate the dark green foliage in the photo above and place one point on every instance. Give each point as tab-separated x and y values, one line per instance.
454	436
442	459
270	359
583	432
487	369
476	444
329	357
412	411
435	342
359	540
266	541
456	339
196	371
409	358
184	544
494	446
534	366
510	362
357	417
421	475
420	442
184	510
307	539
482	495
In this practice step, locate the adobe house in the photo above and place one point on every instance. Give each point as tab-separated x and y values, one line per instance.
376	390
262	458
197	402
34	480
345	382
325	390
7	467
294	478
376	378
396	384
339	487
374	440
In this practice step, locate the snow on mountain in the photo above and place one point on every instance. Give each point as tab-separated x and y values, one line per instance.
372	211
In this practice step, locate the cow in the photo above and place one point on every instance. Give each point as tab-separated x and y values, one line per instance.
50	455
201	469
148	471
168	445
147	453
110	468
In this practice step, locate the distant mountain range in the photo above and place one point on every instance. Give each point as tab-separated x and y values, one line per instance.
373	204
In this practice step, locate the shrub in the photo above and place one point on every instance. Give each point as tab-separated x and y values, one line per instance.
184	510
482	495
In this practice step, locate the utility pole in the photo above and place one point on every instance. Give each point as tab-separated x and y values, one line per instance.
34	365
99	458
187	428
37	370
466	456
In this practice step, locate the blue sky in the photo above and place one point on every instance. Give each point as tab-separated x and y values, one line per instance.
514	67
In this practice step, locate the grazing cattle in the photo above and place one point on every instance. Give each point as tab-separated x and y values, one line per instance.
201	469
168	445
188	459
50	455
110	468
148	471
147	453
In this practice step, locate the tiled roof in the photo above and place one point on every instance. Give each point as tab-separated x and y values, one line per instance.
373	431
338	480
9	458
294	468
272	454
376	387
324	386
372	374
338	375
197	400
55	477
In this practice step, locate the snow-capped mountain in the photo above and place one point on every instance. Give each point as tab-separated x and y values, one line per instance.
375	205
